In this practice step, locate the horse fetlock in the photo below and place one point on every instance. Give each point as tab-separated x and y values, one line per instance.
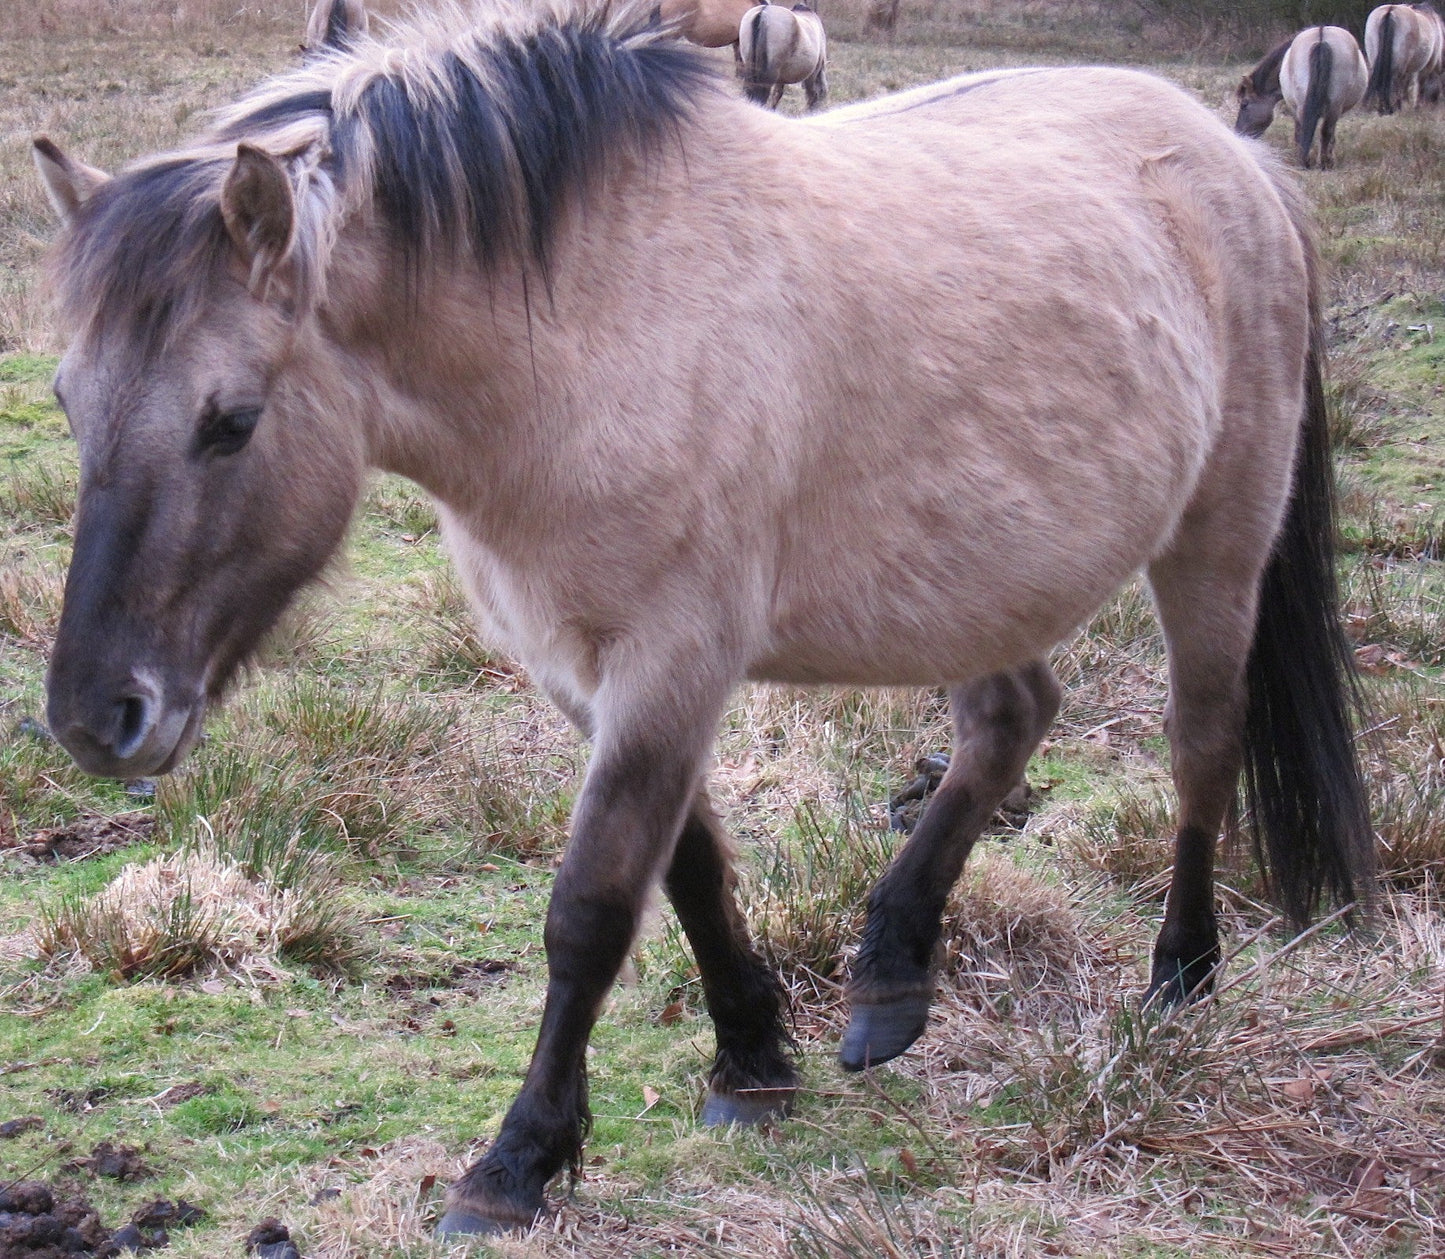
880	1030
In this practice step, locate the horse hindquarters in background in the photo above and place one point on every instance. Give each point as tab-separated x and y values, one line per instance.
1323	75
778	46
1399	44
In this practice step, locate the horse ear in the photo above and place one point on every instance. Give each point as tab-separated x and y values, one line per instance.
259	210
69	183
335	24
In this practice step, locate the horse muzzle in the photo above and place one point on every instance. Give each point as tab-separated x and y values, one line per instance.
125	730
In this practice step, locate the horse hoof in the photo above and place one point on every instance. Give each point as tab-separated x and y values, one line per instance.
460	1222
883	1030
1173	983
748	1108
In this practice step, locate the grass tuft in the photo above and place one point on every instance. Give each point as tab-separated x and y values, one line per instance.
198	910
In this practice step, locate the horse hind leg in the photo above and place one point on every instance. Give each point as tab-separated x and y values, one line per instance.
815	87
1327	142
1208	626
998	721
775	95
753	1077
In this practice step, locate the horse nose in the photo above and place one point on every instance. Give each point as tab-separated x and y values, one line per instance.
105	731
133	718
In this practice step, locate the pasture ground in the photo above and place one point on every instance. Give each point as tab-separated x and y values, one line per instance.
409	792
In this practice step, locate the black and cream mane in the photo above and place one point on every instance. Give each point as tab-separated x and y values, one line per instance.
469	132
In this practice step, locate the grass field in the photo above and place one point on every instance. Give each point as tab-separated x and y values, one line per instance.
335	1013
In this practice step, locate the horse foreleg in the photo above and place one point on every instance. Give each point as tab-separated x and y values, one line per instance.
775	94
753	1076
628	818
998	721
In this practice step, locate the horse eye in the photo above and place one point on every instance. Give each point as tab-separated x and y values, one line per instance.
226	432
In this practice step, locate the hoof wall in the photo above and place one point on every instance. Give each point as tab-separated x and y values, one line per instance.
878	1032
459	1222
1172	984
747	1107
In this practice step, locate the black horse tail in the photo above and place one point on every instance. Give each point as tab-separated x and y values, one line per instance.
755	80
1303	787
1317	96
1382	73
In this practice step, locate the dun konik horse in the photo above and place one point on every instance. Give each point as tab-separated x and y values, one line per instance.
709	23
533	264
779	46
1432	77
334	24
1321	74
1401	42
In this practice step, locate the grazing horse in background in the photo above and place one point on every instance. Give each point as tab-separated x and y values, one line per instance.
779	46
1400	42
1321	75
1259	92
334	24
532	264
1432	77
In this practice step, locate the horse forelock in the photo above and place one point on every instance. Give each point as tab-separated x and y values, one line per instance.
470	130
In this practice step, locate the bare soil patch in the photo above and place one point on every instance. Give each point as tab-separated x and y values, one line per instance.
92	835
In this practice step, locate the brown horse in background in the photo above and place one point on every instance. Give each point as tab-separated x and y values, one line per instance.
547	267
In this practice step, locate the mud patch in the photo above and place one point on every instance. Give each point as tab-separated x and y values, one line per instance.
93	835
12	1128
424	994
113	1162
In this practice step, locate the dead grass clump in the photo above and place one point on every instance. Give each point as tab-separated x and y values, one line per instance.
197	910
1399	606
1405	760
400	508
1113	671
1130	841
42	494
30	601
807	891
453	651
1011	939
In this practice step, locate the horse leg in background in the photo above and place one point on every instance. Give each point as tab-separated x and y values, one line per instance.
815	86
775	95
753	1077
639	783
1208	629
1327	142
1299	143
997	721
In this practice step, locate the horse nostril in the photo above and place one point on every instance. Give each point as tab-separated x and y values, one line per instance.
133	724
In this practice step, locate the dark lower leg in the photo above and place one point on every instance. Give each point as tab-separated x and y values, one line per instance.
753	1074
997	723
1186	954
628	817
